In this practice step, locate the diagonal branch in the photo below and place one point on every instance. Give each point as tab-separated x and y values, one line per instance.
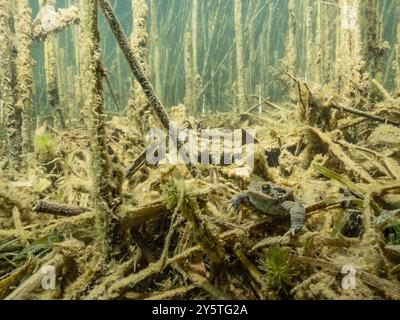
139	73
54	22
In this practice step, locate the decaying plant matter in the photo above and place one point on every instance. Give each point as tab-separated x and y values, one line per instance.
43	26
179	240
12	112
115	226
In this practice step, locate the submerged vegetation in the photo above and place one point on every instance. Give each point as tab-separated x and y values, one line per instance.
279	268
314	84
46	147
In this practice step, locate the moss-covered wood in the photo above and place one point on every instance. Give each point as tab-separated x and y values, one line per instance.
106	186
24	64
12	112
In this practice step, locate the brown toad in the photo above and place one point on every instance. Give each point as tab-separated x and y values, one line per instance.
273	200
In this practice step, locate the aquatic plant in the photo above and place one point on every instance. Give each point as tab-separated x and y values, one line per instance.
278	267
177	194
46	147
12	113
240	81
170	193
50	61
24	67
139	44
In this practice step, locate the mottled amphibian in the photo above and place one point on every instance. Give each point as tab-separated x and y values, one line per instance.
274	200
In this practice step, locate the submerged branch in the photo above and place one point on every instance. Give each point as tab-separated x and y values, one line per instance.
138	71
364	114
63	19
58	209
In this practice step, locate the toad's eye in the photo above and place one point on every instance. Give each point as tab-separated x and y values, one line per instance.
266	188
